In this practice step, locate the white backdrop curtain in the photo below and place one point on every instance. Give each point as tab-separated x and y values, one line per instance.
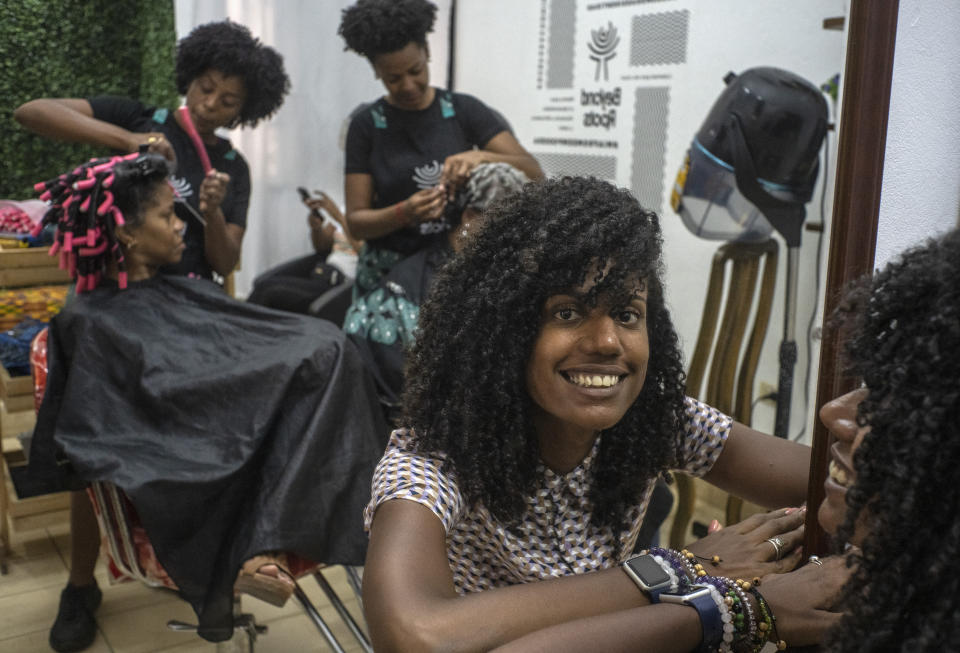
302	144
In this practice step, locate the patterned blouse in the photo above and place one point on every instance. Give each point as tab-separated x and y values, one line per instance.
554	537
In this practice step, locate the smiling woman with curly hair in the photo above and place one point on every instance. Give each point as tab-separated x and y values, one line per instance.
893	487
544	397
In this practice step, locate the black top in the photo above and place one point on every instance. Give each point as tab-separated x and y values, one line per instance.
134	116
404	151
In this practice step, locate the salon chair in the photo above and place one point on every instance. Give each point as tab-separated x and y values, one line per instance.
130	556
724	364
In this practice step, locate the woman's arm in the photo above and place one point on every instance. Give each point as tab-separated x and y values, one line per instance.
411	604
502	148
366	222
801	601
221	240
662	628
761	468
71	120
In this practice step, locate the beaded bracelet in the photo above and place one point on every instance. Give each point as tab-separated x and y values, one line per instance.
678	562
768	626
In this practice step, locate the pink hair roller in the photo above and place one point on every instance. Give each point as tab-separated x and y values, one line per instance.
106	204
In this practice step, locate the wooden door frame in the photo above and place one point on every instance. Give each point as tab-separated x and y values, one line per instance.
868	73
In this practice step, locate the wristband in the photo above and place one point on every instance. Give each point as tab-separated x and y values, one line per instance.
699	598
400	210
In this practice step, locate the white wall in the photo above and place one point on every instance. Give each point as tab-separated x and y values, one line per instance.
497	59
921	175
300	145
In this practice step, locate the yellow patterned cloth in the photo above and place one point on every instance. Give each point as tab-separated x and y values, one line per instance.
38	302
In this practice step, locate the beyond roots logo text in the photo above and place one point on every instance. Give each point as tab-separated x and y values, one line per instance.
603	44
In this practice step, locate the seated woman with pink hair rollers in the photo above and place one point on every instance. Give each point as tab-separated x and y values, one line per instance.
139	366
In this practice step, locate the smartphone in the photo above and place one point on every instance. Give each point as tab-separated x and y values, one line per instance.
305	195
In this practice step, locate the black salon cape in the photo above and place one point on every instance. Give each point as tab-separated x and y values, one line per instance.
234	429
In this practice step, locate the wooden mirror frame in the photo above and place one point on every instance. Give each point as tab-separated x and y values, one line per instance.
871	37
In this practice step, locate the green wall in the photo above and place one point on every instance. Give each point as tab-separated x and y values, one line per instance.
74	48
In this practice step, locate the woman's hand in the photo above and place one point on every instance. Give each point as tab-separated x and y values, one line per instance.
457	168
745	550
803	601
324	203
425	205
155	142
212	191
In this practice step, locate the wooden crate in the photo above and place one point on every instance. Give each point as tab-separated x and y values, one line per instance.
13	386
16	416
35	512
30	266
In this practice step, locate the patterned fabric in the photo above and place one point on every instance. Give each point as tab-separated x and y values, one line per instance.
372	265
554	537
384	316
39	302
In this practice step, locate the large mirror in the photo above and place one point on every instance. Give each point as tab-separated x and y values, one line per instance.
618	90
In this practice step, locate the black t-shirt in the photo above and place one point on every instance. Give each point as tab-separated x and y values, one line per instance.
134	116
404	151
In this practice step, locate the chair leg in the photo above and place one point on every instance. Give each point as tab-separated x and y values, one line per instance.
317	620
734	509
245	630
341	609
353	577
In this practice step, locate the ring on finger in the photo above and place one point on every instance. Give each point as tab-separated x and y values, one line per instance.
153	139
815	560
777	545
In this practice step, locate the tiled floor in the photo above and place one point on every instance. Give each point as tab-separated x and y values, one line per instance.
133	617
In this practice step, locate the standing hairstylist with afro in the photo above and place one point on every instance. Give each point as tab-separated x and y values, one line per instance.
229	79
410	149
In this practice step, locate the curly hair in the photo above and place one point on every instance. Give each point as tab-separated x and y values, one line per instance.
466	396
90	202
230	48
905	345
374	27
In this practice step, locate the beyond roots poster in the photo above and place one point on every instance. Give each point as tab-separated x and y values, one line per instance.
604	75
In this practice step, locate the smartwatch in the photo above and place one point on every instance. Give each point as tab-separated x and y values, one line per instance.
699	598
649	575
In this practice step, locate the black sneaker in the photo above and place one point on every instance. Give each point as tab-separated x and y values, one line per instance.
76	627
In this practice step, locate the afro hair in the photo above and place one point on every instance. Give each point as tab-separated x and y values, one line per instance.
905	345
466	395
230	48
374	27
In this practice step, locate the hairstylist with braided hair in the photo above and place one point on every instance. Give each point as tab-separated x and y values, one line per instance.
229	79
408	151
